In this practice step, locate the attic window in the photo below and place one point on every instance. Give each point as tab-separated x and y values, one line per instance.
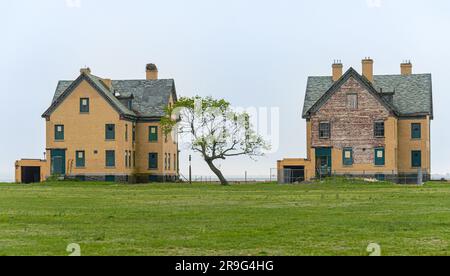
352	101
130	104
84	105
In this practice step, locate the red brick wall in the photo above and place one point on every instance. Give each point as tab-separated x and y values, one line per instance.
351	128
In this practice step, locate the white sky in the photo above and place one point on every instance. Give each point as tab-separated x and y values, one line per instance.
251	52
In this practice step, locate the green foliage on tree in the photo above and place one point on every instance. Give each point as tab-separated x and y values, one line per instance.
214	130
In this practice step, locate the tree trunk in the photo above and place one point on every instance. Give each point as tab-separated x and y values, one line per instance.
217	172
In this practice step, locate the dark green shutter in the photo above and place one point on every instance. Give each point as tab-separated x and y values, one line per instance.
110	158
416	159
153	161
416	131
59	132
110	132
379	157
80	159
153	134
84	108
347	161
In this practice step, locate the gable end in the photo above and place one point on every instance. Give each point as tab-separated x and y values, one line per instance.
338	84
71	88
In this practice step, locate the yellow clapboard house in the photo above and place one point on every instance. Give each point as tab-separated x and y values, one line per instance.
107	130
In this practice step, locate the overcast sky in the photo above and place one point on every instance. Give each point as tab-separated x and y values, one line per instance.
254	53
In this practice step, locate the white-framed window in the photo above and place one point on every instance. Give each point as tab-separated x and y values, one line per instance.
324	130
352	101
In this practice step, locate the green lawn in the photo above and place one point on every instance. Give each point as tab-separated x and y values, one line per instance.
333	218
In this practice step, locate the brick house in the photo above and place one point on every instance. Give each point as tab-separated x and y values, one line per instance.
103	129
365	125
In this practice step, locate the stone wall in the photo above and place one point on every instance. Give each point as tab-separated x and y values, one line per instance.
351	128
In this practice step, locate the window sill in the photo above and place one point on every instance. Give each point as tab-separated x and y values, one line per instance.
416	139
380	166
110	168
110	140
59	141
153	142
80	168
84	113
152	169
380	137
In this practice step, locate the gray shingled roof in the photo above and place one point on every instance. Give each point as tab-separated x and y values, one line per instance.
150	96
412	94
110	95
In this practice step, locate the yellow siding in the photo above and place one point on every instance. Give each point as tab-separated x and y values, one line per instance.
308	164
87	132
162	147
407	144
43	164
398	146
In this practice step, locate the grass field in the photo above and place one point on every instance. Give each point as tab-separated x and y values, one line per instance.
333	218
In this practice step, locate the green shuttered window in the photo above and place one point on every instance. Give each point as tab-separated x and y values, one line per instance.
153	134
110	132
153	161
84	105
110	158
416	159
80	159
379	157
59	132
347	156
416	131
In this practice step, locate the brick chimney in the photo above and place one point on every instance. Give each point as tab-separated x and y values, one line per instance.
367	68
406	68
337	70
108	83
152	72
86	70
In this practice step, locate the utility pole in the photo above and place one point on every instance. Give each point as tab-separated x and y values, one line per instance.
190	169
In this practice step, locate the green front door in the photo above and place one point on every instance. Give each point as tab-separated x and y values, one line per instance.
58	162
323	162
